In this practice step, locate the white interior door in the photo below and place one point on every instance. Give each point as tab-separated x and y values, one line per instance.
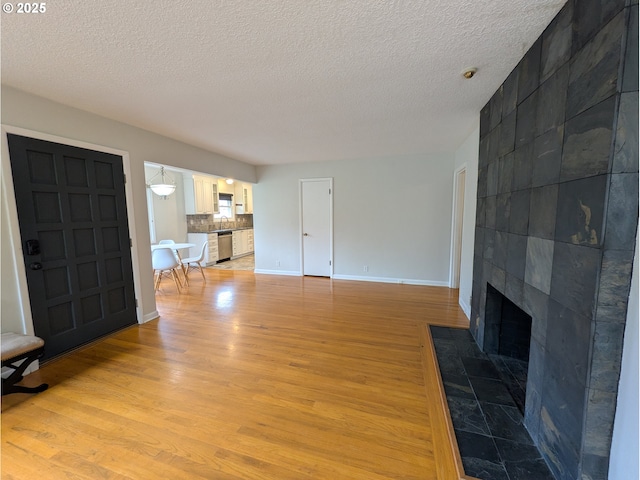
316	222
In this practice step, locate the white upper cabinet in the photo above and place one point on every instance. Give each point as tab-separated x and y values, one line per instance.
243	198
248	198
201	194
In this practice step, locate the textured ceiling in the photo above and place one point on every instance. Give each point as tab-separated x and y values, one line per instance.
279	81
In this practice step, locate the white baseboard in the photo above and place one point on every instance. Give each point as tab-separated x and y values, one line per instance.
402	281
466	308
150	316
428	283
290	273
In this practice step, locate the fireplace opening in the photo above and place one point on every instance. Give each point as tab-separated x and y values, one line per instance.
507	341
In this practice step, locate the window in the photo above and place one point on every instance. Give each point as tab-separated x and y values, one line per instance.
225	206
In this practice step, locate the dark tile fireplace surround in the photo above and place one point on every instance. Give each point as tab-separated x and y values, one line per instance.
556	223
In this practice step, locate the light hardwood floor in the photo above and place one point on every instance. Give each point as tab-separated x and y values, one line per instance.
244	377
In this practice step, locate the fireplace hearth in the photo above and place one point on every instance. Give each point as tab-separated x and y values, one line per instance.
492	439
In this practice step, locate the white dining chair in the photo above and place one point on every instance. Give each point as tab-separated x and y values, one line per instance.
192	263
164	262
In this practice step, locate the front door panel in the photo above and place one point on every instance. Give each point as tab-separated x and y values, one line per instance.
75	240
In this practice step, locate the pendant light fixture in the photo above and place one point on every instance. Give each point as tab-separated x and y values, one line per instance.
164	187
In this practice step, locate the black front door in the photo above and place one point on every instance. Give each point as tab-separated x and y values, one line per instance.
75	239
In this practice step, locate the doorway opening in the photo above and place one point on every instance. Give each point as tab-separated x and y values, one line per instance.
459	180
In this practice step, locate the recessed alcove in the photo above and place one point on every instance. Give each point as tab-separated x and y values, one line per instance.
507	341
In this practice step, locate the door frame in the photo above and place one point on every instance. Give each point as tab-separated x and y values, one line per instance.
457	225
301	183
14	239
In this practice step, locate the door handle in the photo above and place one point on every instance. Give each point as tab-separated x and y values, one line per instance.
35	266
305	234
33	247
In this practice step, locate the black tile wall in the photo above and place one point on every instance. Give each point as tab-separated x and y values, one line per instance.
516	255
625	159
529	71
539	263
536	304
492	179
503	211
580	214
594	70
510	94
500	249
523	167
556	43
568	338
607	355
574	277
623	199
630	78
514	289
526	120
589	18
505	172
614	285
495	109
587	142
551	101
542	211
507	134
556	223
535	378
484	123
560	429
547	158
489	238
519	216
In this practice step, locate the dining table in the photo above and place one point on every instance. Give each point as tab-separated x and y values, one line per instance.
173	246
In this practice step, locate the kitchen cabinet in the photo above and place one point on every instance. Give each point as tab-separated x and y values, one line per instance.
212	256
250	248
242	242
211	253
206	194
239	243
201	194
243	198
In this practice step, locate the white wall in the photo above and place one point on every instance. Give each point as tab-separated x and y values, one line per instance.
467	155
12	304
169	213
391	214
623	461
20	109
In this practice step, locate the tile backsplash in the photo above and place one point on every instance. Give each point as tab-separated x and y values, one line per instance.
203	223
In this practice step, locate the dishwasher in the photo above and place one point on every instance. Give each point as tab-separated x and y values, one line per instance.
225	246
